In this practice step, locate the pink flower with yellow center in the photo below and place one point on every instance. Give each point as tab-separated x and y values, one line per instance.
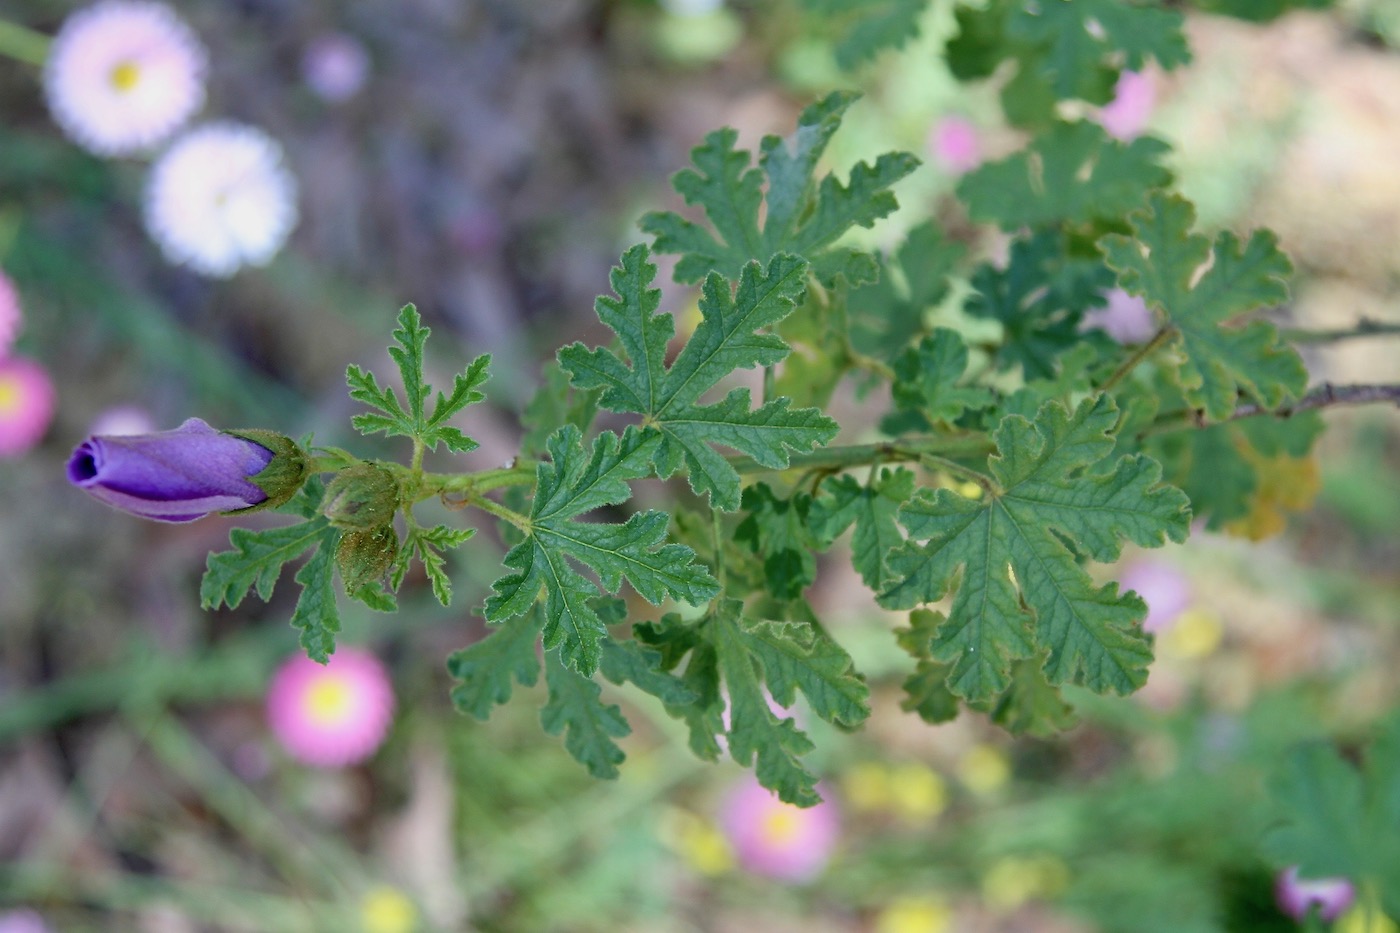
123	75
26	405
331	715
776	839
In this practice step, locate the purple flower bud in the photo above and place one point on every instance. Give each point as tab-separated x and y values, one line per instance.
1297	896
172	476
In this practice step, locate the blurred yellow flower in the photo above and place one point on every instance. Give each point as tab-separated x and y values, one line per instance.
919	792
698	841
388	910
984	769
915	915
866	787
1196	634
969	490
1013	880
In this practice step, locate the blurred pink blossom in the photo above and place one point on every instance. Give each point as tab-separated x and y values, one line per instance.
1164	588
334	715
220	198
335	66
26	405
1297	896
955	142
776	839
123	75
23	920
123	421
11	316
1126	318
1126	116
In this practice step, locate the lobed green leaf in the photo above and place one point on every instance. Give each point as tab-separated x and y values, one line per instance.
1051	490
1217	363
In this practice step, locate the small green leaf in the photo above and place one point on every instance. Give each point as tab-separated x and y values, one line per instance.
256	560
1052	490
926	690
868	27
630	661
885	317
872	509
394	419
589	726
1338	821
1031	705
776	530
756	735
487	668
316	616
1080	36
798	656
1039	299
1074	173
1217	363
676	640
729	337
571	483
428	545
802	216
926	379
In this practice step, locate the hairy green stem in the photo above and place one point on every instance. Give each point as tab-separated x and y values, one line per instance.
945	465
1142	353
484	481
492	507
23	44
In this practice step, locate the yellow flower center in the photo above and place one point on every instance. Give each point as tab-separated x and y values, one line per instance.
328	701
125	76
781	826
386	910
10	395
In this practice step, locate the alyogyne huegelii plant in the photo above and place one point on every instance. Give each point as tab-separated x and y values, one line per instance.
978	499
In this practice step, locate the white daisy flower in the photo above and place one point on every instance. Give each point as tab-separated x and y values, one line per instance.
123	75
220	198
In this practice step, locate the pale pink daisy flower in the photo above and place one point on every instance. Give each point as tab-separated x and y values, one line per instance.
123	75
335	66
1297	896
11	317
1126	318
1126	116
776	839
1162	586
221	198
26	405
956	143
331	715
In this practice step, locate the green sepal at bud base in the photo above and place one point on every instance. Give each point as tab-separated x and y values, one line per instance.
284	474
364	557
361	497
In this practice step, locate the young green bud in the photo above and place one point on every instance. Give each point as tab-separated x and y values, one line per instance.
362	497
364	557
285	472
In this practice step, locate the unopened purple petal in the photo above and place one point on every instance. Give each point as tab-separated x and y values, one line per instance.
171	476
